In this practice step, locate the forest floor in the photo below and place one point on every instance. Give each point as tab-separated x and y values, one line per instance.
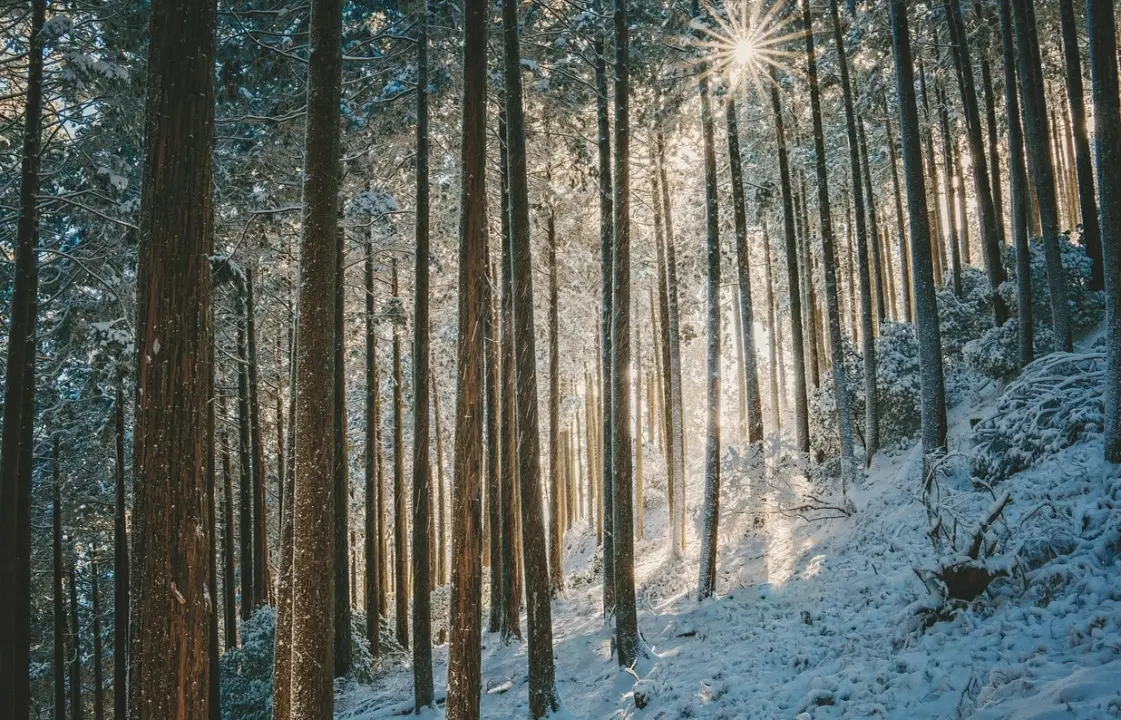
818	619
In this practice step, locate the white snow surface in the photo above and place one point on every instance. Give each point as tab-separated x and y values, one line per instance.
816	620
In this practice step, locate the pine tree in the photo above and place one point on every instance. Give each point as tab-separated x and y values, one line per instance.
120	564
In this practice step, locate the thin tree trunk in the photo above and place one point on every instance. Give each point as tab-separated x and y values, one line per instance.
933	405
794	286
745	336
282	651
495	498
607	239
174	372
900	229
315	498
439	517
1101	30
511	569
464	683
260	519
340	469
75	658
990	118
543	698
706	582
935	219
991	236
121	565
245	526
622	484
1091	233
422	472
952	238
1037	139
677	415
371	459
19	403
556	512
59	612
98	650
638	453
229	604
400	512
772	327
840	384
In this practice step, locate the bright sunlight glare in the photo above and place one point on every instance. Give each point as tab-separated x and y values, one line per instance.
743	43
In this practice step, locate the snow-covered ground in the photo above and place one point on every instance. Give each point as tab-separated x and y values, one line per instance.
818	620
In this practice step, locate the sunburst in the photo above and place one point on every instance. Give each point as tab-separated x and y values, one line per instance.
744	47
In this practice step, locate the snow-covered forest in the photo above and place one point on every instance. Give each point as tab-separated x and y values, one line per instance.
561	358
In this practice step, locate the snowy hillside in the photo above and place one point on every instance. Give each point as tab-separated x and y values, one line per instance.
825	619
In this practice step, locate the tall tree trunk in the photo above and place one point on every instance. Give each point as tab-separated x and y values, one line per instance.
706	582
400	510
745	338
935	219
1101	30
174	376
543	698
511	584
952	237
900	229
873	224
438	516
932	387
772	328
982	187
794	286
340	469
212	554
245	526
622	484
464	683
313	540
260	520
58	607
19	404
98	650
556	511
75	658
607	238
282	649
989	95
840	384
229	604
493	487
121	565
1037	139
1091	233
422	471
281	452
371	458
677	414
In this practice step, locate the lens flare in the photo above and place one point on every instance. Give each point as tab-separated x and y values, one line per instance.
743	44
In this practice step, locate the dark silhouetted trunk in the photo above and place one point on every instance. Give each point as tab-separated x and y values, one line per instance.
74	659
556	511
400	511
98	650
58	602
371	458
340	468
120	565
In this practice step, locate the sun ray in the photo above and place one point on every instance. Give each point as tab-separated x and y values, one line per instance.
743	43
